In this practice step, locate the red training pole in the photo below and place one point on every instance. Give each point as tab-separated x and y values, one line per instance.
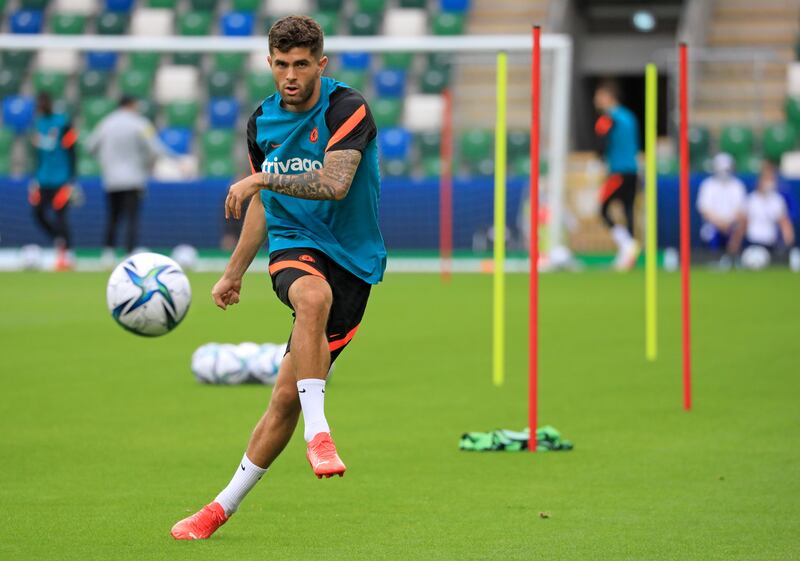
533	312
685	233
446	189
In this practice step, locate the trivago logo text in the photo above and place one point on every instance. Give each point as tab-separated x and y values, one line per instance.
292	164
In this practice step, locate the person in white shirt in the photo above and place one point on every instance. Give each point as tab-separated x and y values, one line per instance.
126	145
721	203
767	220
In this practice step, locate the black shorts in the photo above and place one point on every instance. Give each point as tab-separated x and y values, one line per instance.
620	186
350	293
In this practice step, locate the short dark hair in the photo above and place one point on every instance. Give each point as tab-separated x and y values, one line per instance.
44	102
296	31
127	100
610	86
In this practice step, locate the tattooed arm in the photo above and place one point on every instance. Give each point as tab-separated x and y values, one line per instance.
330	183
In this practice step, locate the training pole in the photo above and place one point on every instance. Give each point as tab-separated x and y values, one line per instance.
685	234
498	367
651	201
533	312
446	189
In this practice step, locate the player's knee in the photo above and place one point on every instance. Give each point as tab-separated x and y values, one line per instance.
313	301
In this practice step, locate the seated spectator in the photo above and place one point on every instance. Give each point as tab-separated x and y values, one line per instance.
767	220
721	202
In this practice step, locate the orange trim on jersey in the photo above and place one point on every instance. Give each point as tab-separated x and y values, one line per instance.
347	127
603	125
281	265
336	345
611	185
70	138
62	197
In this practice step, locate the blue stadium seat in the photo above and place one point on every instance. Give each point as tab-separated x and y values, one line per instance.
27	21
18	112
101	60
237	24
179	139
394	143
355	61
222	113
454	5
119	5
390	82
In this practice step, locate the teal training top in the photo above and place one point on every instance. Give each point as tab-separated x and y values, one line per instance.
281	141
619	132
55	151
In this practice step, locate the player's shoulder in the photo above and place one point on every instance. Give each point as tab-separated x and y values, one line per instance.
344	98
269	106
252	121
623	114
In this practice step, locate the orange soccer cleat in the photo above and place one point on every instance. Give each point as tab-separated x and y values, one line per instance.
323	458
201	524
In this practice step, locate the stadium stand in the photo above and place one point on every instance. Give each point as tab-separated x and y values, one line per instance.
731	92
201	93
197	99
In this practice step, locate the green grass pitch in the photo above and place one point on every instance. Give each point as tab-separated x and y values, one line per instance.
106	440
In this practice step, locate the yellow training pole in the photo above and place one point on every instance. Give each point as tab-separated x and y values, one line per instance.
651	245
498	362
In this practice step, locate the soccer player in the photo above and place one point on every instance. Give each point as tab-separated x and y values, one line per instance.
54	141
315	185
617	131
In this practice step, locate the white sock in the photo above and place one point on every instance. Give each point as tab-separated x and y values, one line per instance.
246	476
621	236
312	400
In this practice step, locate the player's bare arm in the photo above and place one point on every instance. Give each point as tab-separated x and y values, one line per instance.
330	183
254	232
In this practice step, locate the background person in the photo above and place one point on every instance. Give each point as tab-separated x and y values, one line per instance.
126	146
617	130
54	140
766	218
721	203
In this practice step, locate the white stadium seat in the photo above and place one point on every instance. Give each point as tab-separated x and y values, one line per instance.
83	7
177	83
153	22
790	165
287	7
258	61
57	60
793	78
423	112
405	22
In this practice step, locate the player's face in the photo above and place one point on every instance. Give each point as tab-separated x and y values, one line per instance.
296	75
767	180
603	101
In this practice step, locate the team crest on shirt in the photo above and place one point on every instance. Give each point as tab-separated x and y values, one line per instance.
314	135
306	258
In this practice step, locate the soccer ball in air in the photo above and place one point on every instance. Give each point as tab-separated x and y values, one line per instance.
148	294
